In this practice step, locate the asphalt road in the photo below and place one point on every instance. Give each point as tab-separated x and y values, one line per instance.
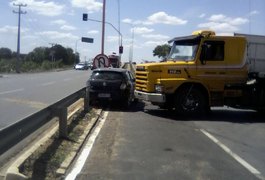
150	143
24	94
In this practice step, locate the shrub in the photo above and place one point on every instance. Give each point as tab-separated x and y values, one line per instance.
7	65
29	66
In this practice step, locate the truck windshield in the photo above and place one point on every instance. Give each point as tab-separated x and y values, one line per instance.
183	50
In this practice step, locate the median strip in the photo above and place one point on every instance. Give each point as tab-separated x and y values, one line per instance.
50	157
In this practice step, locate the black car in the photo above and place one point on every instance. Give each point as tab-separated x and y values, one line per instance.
111	84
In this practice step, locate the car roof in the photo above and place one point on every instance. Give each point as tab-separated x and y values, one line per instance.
120	70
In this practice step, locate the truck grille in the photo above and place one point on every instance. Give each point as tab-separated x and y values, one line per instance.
141	81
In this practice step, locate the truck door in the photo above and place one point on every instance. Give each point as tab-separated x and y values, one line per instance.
211	69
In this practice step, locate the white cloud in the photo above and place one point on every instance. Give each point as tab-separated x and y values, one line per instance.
93	32
112	38
59	22
220	27
202	15
57	35
12	29
155	36
223	24
164	18
253	13
68	28
222	18
142	30
6	29
127	20
41	7
90	5
153	43
217	17
157	18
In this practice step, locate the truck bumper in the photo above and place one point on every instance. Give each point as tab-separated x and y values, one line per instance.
151	97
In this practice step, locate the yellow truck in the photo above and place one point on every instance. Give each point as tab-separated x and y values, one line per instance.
204	70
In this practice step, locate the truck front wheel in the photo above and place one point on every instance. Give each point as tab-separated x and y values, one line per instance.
190	100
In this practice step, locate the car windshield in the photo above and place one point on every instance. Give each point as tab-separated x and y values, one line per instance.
99	75
183	50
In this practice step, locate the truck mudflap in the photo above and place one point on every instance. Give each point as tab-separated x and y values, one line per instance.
152	97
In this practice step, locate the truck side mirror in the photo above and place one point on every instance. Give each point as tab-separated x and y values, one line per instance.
203	54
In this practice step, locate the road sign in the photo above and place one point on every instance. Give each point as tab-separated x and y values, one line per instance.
88	40
101	61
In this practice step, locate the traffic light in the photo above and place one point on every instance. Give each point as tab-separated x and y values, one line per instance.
84	17
120	49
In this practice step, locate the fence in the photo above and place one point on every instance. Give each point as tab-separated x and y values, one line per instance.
15	133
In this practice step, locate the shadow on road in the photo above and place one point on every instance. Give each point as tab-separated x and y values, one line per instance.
115	106
216	114
225	115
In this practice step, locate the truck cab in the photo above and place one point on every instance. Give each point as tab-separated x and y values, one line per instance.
202	70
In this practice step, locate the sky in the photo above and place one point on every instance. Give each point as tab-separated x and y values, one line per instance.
141	24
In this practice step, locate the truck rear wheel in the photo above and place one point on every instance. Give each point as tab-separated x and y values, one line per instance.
190	100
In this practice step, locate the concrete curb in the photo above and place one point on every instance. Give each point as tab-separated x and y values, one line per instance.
68	161
13	171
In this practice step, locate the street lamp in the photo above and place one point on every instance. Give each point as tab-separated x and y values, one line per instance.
132	42
76	61
120	35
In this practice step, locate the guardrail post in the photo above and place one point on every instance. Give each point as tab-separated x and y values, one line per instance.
86	100
62	113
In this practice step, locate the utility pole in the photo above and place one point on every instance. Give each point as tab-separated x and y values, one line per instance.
103	27
52	52
19	12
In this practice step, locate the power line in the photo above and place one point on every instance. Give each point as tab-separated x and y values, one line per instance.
19	12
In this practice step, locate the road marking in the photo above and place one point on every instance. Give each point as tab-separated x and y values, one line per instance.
11	91
33	104
234	155
87	149
48	83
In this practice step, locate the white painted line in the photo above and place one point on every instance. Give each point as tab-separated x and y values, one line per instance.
11	91
48	83
87	149
234	155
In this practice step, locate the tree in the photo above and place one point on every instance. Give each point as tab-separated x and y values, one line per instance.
70	56
5	53
59	53
162	50
38	55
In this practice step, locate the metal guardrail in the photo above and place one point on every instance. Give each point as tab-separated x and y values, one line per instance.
18	131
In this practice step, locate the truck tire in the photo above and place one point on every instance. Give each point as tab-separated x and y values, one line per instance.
190	100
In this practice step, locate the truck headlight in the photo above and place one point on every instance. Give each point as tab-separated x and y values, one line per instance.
159	88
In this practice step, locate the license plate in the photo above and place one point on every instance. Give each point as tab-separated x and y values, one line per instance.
104	95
